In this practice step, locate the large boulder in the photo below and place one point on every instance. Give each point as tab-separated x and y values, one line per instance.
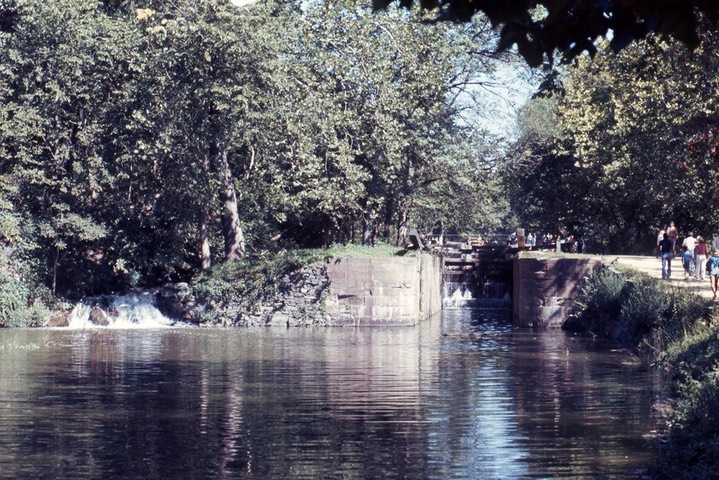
176	301
99	317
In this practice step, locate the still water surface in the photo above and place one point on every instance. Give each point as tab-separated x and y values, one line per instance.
463	395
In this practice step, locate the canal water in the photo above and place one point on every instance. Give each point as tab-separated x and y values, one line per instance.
463	396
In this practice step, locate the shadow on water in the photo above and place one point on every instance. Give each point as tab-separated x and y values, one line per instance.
464	395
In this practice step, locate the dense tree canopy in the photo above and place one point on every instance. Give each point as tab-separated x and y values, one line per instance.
634	147
142	141
542	28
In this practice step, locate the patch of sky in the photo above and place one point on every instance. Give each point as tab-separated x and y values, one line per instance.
494	99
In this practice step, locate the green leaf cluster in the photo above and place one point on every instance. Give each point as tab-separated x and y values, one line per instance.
637	309
143	141
631	146
691	446
541	29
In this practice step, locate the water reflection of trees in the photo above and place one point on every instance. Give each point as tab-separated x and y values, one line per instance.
588	404
544	405
178	406
447	399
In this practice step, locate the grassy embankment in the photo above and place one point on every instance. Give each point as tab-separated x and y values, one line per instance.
681	332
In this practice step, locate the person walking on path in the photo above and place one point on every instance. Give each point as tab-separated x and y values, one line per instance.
687	259
673	235
666	248
700	257
690	242
713	272
660	237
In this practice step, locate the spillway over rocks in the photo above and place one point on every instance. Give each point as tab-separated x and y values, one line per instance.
127	310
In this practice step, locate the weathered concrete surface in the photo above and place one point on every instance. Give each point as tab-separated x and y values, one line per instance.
545	288
383	291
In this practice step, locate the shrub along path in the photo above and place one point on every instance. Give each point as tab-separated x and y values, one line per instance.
652	266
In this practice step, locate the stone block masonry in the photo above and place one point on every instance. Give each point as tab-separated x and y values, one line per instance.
545	288
383	291
389	291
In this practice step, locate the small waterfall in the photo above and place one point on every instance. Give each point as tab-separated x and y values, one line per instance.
476	274
457	295
132	310
495	294
489	294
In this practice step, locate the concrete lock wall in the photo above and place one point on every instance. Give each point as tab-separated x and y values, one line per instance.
545	288
406	290
383	291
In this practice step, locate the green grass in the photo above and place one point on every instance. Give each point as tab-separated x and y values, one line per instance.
359	251
691	446
647	312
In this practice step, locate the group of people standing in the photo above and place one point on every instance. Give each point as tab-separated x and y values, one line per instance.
570	244
695	255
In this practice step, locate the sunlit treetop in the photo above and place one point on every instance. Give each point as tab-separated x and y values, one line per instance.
543	29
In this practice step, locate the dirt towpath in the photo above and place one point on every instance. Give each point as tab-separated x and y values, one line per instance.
652	266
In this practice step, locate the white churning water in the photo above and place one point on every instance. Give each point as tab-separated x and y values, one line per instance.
118	311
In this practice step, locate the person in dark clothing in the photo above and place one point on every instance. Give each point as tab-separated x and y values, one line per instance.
666	247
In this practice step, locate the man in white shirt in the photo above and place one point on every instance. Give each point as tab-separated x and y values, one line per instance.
690	242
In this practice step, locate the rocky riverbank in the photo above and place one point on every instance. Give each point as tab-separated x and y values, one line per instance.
297	301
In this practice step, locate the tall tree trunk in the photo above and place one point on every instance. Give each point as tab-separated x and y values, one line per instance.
405	200
388	214
402	225
55	264
203	239
368	227
231	229
438	232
